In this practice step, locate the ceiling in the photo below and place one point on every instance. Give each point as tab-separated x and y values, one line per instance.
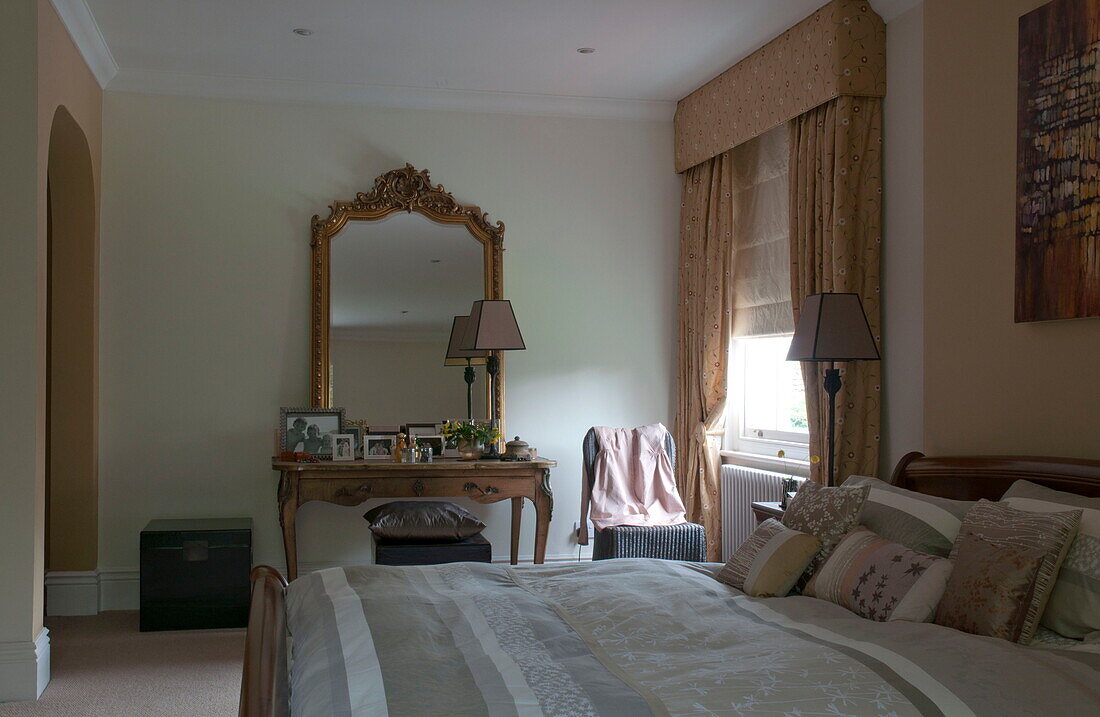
403	278
495	55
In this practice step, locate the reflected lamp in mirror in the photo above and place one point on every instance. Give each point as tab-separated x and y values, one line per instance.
833	327
492	327
457	356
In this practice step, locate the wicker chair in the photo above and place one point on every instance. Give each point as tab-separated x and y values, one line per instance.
686	541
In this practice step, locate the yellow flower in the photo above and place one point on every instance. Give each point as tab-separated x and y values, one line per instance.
815	459
781	453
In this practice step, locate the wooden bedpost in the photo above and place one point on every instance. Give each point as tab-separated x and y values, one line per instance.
265	682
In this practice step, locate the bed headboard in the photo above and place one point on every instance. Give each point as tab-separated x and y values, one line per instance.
974	477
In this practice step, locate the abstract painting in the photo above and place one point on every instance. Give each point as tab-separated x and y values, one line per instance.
1058	163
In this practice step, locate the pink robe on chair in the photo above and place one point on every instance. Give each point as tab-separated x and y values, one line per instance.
632	481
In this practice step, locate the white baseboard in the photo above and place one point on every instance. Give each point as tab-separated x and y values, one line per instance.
72	592
24	668
88	593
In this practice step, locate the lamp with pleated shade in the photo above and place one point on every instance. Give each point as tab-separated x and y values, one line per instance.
457	356
492	327
833	327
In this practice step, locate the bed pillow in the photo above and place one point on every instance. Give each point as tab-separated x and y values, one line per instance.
1074	606
921	522
828	514
881	580
989	591
770	560
1023	532
422	520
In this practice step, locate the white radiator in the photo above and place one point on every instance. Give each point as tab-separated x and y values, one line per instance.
740	487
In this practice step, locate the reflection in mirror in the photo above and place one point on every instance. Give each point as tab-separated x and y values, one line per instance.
396	286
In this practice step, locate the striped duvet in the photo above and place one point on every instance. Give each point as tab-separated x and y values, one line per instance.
641	637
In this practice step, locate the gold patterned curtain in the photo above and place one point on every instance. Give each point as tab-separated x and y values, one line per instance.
706	228
836	242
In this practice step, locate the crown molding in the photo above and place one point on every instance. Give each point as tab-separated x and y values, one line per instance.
261	89
890	9
78	20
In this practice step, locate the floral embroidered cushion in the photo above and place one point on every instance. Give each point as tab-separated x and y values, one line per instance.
770	560
1010	529
1074	606
989	589
827	513
881	580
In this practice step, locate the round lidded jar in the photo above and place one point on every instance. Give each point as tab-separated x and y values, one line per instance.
517	450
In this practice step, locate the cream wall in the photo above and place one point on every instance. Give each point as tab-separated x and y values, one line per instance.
396	382
205	293
991	386
20	524
903	242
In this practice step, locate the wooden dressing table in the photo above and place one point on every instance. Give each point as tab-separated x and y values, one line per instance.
351	483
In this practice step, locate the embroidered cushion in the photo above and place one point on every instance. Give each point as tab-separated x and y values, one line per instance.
990	588
881	580
921	522
827	513
770	560
1074	606
1006	527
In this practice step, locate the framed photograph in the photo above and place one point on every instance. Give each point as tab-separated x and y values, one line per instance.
343	447
422	429
310	430
384	430
378	445
357	433
436	442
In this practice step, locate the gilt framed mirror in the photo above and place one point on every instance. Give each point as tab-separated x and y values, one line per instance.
390	270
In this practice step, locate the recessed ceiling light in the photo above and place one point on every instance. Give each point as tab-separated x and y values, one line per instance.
586	50
303	31
435	261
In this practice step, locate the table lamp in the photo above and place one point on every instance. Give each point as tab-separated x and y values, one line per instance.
832	328
492	327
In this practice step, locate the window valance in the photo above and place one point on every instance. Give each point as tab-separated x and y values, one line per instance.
838	50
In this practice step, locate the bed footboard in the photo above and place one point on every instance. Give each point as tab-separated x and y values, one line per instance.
265	682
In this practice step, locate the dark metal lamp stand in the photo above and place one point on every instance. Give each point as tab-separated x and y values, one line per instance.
470	377
832	385
492	368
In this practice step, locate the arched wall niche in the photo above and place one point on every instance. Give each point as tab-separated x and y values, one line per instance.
72	485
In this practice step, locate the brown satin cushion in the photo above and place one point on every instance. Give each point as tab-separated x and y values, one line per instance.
1006	527
422	521
990	588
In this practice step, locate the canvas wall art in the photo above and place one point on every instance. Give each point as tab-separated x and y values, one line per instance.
1058	163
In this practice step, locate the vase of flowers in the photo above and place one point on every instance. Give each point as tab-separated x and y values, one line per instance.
469	437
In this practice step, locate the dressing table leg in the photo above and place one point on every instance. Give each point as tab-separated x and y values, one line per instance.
517	518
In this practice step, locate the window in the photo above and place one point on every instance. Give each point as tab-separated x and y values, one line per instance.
766	409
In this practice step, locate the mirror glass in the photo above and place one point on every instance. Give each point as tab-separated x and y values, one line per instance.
396	285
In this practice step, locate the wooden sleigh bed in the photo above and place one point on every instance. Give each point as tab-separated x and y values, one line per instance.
900	665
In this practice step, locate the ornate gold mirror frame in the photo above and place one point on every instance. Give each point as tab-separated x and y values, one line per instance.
406	190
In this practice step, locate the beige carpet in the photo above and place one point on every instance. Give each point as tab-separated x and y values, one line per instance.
102	665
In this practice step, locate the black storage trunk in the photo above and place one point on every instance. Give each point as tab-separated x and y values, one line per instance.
474	549
194	573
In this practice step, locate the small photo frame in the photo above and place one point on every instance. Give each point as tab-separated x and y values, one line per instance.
377	446
422	429
310	430
436	443
343	447
357	432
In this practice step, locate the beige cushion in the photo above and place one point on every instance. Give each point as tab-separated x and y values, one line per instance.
921	522
1074	606
881	580
770	560
1006	527
990	589
828	513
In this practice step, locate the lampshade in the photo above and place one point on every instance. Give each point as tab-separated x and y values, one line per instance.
492	326
457	356
833	327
